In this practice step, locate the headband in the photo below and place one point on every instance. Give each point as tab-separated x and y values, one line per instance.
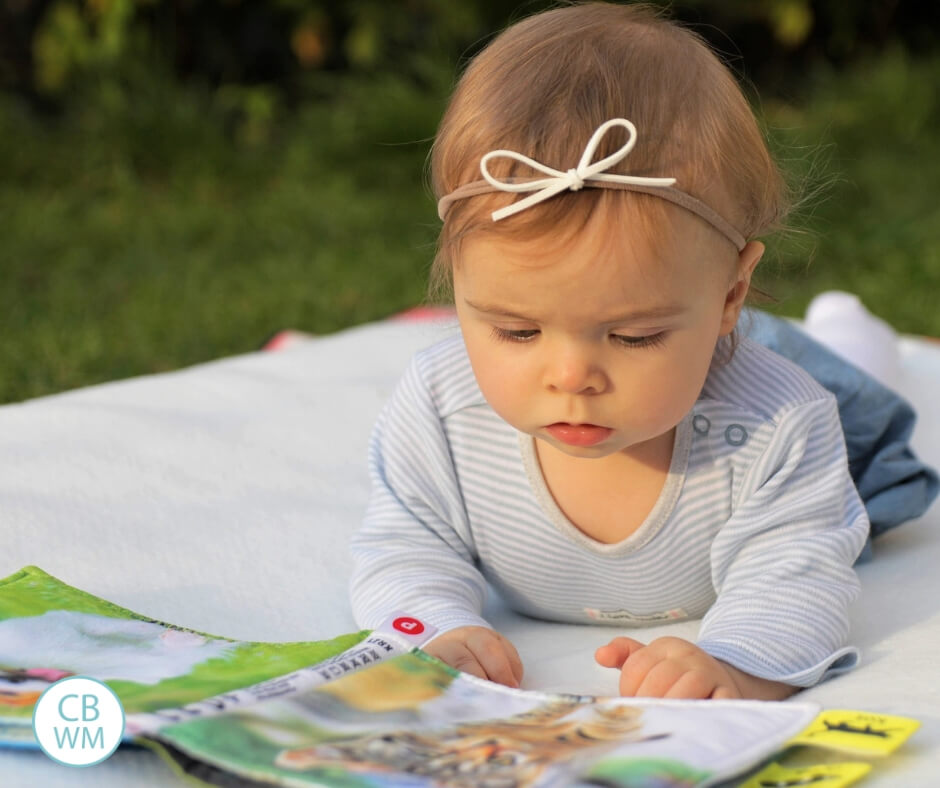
587	173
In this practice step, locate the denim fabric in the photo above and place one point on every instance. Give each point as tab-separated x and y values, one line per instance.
893	483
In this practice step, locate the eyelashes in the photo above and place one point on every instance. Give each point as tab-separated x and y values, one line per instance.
510	335
652	340
522	336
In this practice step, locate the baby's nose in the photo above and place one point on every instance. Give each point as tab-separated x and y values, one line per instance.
575	373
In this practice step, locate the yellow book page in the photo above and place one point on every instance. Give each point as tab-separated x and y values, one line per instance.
828	775
858	732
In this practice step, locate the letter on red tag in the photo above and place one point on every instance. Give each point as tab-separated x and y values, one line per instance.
408	625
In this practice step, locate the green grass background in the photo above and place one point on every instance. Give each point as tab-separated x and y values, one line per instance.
154	234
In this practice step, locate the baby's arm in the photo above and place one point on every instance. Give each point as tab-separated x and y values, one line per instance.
415	552
782	570
671	667
782	565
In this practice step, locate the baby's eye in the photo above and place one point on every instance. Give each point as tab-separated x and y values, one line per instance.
514	335
650	340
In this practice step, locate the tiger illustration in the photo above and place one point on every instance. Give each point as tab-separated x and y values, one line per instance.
506	753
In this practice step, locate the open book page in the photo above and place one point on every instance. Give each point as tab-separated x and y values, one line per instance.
413	721
396	636
371	709
50	630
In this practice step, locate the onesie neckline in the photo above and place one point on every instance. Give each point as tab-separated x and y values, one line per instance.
654	521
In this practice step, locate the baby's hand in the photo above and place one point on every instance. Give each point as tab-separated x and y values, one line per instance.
479	651
674	668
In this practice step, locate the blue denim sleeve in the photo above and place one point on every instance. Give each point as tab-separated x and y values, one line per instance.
894	484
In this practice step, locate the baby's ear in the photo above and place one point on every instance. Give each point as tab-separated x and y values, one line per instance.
748	259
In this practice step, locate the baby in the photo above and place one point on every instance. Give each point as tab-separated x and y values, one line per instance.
598	443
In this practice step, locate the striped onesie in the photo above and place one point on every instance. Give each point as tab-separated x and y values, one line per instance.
755	531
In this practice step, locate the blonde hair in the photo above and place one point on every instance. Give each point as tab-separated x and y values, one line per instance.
546	83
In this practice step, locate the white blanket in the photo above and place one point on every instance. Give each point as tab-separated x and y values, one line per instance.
221	498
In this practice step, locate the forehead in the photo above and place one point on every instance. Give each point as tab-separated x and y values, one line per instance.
615	260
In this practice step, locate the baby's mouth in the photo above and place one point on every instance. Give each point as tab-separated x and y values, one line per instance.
578	434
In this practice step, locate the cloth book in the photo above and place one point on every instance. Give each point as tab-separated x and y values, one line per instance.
371	709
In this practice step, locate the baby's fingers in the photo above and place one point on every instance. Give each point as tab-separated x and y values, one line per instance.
725	692
635	671
657	681
515	662
457	655
618	651
497	656
695	685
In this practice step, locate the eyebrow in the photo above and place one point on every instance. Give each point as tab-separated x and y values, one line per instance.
650	313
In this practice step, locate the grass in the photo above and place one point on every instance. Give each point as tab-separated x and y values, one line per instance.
127	251
874	228
158	232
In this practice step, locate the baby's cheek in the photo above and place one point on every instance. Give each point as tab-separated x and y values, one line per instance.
679	379
503	386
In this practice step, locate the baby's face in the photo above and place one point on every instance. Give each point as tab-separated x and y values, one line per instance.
598	344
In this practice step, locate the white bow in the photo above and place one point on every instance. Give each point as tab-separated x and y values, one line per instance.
572	179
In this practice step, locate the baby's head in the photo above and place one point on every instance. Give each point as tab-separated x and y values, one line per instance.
543	87
600	291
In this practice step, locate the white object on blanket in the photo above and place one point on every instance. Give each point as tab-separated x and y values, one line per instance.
841	322
221	498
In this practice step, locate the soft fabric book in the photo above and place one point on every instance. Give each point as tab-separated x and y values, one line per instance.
371	709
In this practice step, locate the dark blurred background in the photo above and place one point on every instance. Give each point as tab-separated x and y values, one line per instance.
181	179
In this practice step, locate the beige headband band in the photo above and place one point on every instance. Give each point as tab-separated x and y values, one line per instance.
587	173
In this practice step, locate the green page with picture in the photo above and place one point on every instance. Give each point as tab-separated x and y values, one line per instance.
50	630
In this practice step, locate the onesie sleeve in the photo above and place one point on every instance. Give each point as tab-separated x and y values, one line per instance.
414	552
782	564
